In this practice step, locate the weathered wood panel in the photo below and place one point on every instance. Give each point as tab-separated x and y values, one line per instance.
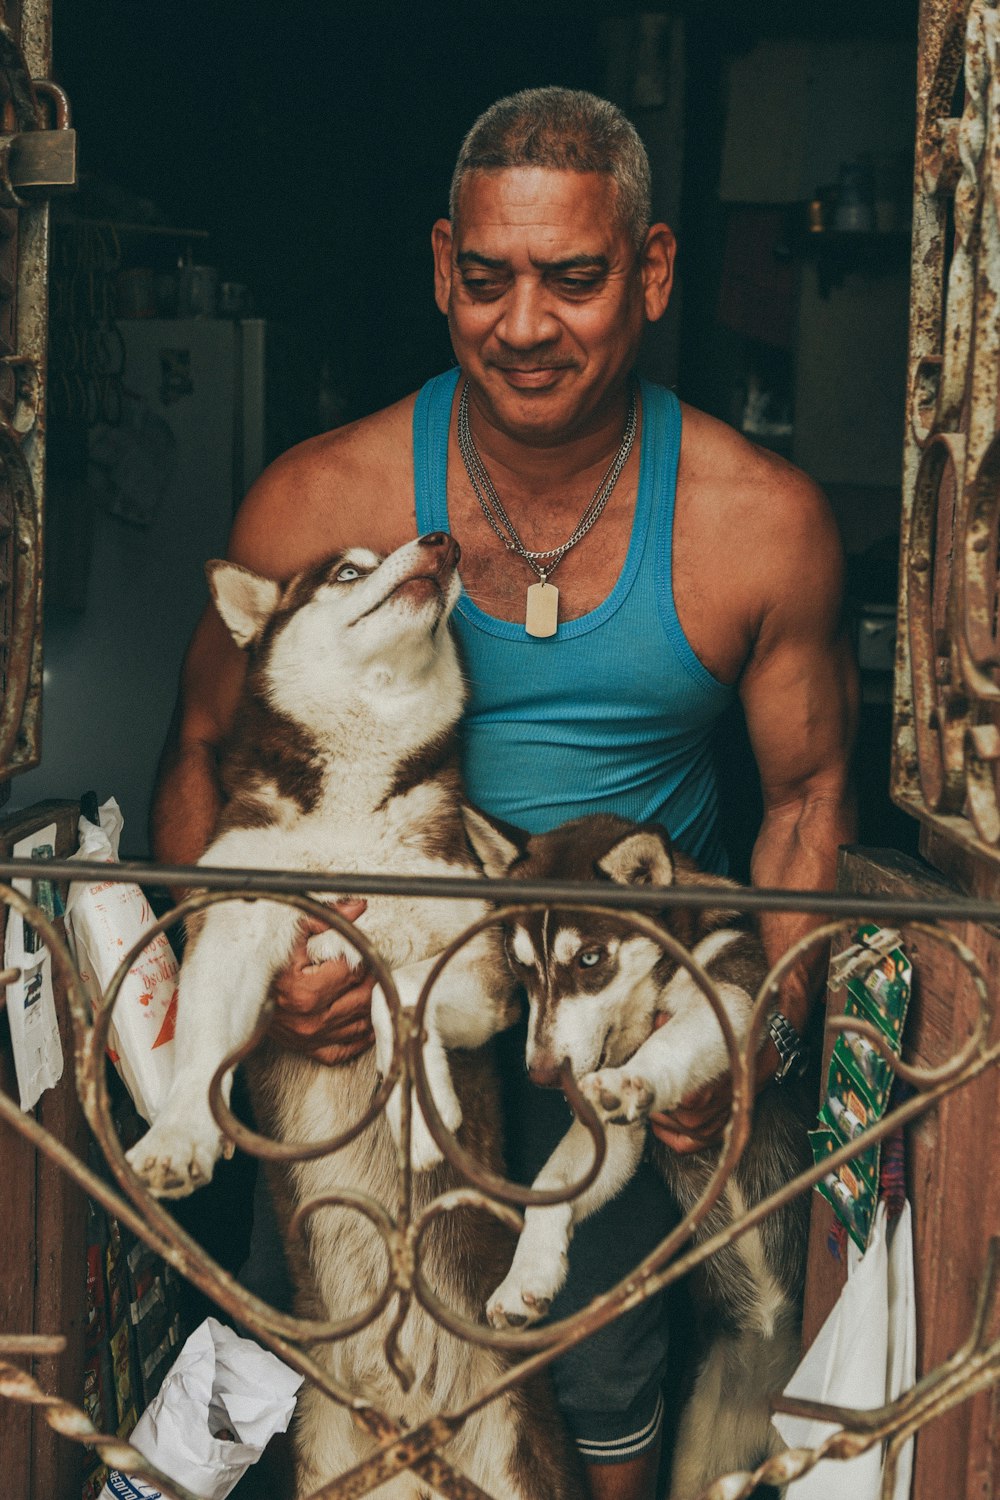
42	1241
953	1183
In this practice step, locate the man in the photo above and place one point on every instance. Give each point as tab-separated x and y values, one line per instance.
690	565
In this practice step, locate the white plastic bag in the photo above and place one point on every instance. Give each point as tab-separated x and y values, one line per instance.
218	1383
863	1356
103	921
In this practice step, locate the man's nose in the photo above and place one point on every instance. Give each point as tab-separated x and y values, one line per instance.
527	317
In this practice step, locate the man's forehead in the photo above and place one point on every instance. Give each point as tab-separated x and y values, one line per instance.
571	213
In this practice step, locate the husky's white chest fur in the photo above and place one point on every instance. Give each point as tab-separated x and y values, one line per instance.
341	759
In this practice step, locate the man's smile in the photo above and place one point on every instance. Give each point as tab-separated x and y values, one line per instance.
531	379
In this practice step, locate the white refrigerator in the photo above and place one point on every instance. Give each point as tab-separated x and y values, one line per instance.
166	481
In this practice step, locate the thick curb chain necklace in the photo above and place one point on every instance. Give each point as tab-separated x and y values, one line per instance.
542	605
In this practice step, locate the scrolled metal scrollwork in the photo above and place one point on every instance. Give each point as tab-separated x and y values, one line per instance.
947	684
401	1232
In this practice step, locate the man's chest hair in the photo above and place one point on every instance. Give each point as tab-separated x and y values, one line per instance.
497	579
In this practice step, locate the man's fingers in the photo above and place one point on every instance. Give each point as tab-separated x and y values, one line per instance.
356	1000
685	1138
306	991
338	1053
313	1039
698	1121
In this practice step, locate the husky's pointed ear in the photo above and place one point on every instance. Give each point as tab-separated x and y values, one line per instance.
640	858
498	846
244	600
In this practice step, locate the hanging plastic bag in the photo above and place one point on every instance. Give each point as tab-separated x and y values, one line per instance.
103	921
863	1356
222	1401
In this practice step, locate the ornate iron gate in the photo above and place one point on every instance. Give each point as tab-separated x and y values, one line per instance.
948	752
947	739
424	1449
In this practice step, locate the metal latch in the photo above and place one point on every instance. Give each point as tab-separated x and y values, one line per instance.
37	162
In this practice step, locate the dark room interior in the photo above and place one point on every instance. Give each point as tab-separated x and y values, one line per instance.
304	152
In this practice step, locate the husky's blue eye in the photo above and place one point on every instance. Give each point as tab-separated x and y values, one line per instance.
589	957
348	573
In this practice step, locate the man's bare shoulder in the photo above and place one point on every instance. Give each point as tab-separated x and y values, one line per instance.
738	489
349	487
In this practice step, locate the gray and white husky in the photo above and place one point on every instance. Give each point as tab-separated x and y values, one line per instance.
595	988
342	758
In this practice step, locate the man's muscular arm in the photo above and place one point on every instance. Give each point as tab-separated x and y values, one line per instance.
799	693
800	696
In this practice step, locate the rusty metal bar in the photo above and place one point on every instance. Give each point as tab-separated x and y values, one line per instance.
256	884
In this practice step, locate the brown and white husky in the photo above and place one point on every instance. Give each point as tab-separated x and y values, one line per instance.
342	758
595	987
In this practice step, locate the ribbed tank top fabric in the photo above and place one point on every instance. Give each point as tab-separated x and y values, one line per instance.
613	713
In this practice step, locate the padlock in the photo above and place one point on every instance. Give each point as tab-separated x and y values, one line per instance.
43	161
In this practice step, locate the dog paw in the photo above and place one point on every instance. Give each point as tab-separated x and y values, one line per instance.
527	1293
173	1162
516	1307
425	1153
323	946
619	1097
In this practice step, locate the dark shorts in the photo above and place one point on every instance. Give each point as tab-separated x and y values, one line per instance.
608	1388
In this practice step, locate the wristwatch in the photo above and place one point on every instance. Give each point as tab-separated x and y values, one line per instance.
789	1047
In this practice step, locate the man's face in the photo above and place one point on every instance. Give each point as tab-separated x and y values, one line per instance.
546	297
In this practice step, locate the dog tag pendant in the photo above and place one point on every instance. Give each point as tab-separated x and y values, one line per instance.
542	612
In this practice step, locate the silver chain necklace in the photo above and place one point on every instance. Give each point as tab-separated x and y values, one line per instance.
542	605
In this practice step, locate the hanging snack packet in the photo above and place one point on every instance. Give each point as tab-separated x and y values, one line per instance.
104	920
879	979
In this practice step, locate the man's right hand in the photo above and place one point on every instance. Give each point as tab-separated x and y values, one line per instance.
324	1009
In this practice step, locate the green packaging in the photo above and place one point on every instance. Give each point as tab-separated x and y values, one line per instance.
878	978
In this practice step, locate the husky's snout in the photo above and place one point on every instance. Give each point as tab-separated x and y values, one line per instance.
543	1070
434	556
441	549
420	572
432	564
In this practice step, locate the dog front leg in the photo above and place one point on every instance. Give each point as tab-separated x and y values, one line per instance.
224	981
424	1150
681	1056
538	1270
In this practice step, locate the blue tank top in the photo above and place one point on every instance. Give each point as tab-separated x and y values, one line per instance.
613	713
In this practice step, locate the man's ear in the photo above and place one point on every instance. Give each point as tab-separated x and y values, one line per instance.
441	246
498	846
656	262
244	600
640	858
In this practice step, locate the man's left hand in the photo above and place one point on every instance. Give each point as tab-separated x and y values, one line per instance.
700	1119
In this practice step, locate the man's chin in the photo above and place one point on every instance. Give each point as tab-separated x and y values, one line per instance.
534	412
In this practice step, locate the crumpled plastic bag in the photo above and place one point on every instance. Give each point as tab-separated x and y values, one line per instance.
865	1355
103	921
218	1384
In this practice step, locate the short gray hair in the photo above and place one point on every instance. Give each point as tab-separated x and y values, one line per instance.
567	130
